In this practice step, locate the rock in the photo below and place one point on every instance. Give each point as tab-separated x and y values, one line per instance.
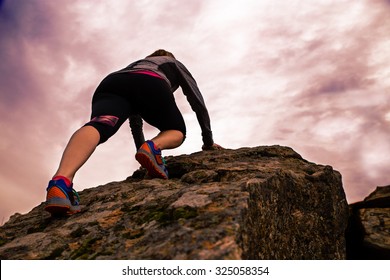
368	233
249	203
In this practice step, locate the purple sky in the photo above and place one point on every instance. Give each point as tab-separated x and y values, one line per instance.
311	75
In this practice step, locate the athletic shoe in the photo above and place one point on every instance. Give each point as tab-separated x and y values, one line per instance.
61	199
150	158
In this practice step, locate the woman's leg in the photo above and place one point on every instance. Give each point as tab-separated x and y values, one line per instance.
60	197
157	107
80	147
168	139
109	111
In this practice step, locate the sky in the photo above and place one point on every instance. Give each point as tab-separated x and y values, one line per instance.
310	75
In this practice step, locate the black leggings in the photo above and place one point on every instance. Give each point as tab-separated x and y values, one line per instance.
124	94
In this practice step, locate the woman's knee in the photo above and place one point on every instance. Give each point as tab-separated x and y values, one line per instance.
106	125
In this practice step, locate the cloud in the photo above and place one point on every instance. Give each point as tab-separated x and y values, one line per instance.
338	96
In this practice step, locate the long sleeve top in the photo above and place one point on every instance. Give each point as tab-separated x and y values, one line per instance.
175	74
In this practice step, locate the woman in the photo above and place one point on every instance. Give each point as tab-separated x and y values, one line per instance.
142	90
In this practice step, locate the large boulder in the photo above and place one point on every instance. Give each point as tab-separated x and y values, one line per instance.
249	203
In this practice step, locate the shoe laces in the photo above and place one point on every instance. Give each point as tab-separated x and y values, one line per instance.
72	198
76	194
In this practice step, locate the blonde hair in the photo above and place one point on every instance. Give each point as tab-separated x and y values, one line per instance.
161	52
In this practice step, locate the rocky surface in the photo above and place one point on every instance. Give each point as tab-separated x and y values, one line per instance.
249	203
368	233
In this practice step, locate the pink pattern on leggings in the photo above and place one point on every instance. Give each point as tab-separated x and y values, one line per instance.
108	120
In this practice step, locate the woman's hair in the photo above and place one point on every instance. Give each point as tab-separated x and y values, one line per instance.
161	52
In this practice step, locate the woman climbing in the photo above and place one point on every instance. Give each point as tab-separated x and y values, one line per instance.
141	91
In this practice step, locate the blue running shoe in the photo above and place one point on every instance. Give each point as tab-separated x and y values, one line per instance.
61	199
150	158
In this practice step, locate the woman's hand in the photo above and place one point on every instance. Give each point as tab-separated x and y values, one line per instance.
212	147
